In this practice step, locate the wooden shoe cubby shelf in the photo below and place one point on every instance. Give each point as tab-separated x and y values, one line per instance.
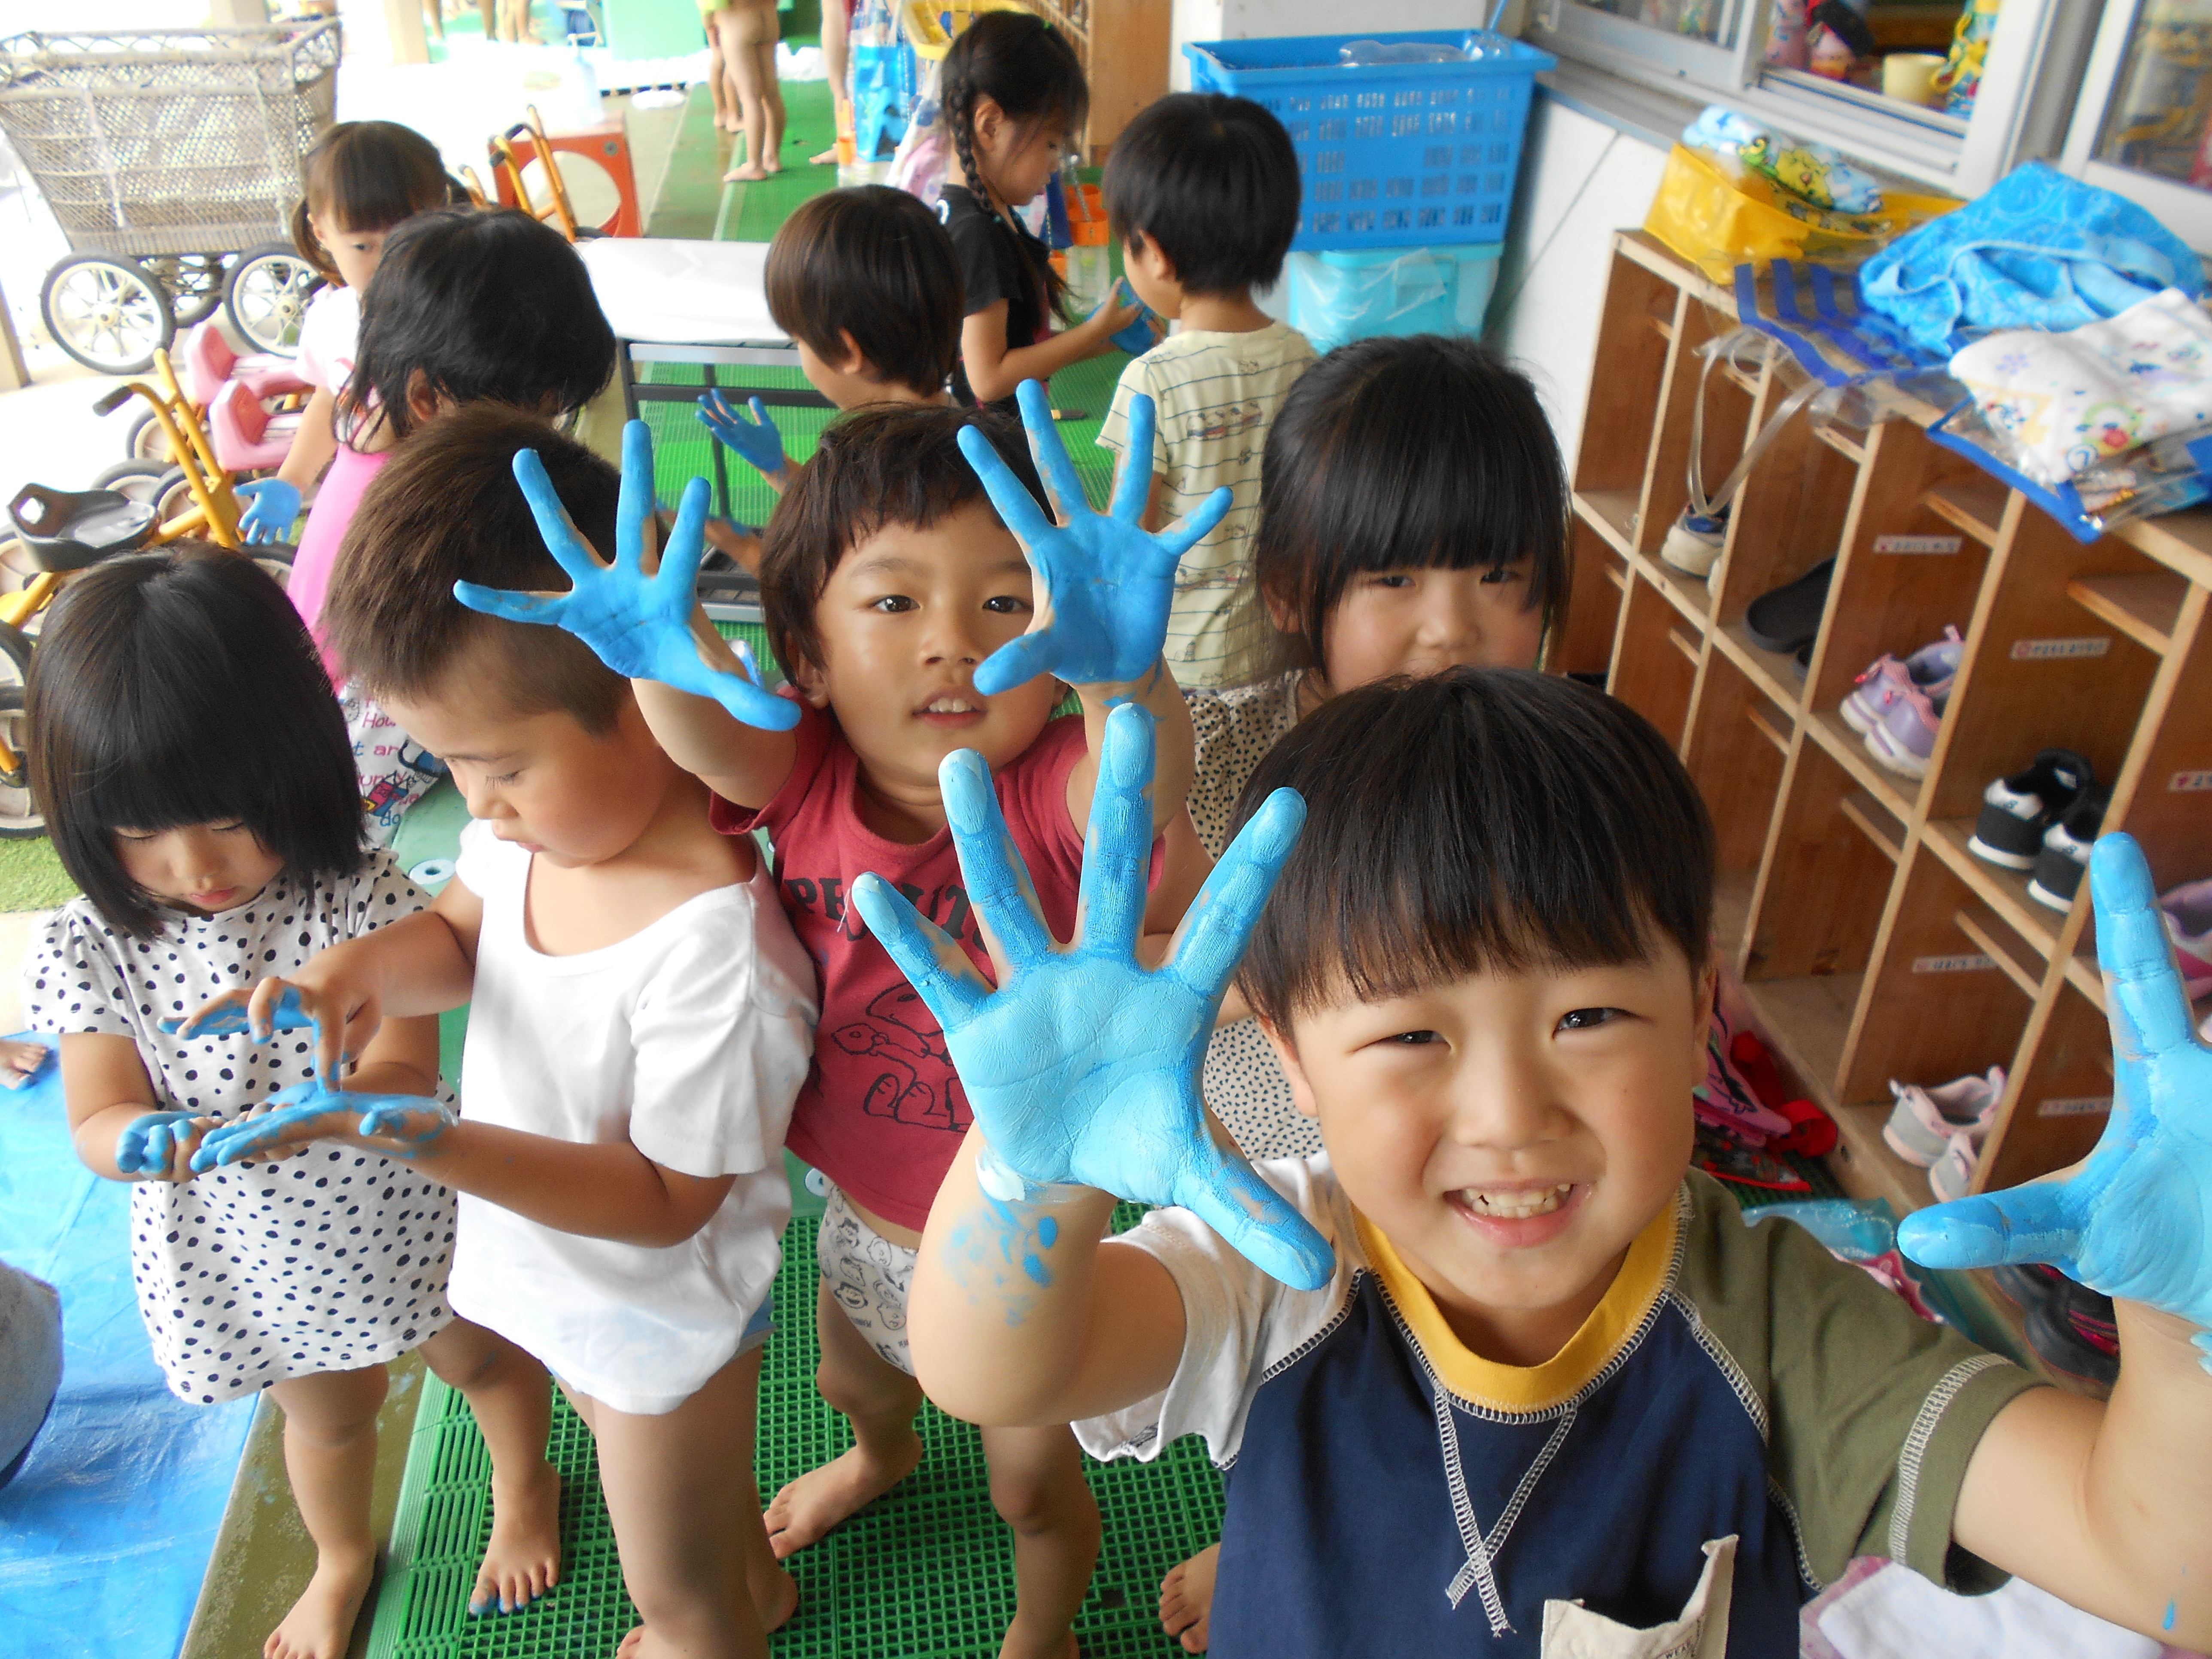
1871	943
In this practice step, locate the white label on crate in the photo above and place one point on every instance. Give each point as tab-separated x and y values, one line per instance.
2052	650
2075	1106
1919	544
2183	783
1971	964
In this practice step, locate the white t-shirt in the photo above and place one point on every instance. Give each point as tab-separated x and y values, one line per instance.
688	1040
328	336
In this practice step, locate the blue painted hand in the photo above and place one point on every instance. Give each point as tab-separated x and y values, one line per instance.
1083	1067
1104	583
272	507
228	1017
644	627
150	1145
756	441
2133	1219
399	1124
1138	336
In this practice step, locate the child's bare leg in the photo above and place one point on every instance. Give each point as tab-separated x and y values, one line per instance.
771	155
512	1400
686	1515
718	82
330	1452
740	51
880	1399
834	29
1187	1598
1038	1488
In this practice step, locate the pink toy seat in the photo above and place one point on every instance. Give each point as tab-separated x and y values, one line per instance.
247	438
209	362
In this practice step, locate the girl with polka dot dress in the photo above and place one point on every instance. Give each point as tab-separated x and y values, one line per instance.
193	767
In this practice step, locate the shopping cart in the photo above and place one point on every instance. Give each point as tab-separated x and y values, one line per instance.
171	161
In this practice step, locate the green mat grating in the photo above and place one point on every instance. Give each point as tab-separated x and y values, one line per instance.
926	1571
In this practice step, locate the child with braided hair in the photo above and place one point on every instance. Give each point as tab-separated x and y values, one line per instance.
1014	93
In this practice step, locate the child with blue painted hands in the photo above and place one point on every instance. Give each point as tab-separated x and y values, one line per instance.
641	1015
1412	518
1539	1389
196	779
865	284
922	601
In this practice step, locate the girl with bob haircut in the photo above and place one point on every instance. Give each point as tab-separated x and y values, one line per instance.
1412	520
197	780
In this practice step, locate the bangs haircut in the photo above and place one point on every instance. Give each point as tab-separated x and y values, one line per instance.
180	688
365	175
1476	820
478	306
1212	182
873	262
1426	451
888	464
445	508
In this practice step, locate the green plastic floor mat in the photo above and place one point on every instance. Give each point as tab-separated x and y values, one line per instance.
926	1571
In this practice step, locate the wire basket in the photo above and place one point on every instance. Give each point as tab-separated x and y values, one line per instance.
169	142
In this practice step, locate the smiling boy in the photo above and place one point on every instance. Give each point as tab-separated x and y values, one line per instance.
1542	1391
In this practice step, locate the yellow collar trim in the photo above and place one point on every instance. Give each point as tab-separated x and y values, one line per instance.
1639	1283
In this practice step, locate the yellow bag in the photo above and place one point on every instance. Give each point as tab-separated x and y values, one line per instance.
1717	213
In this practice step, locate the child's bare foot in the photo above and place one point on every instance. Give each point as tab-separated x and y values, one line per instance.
1186	1598
320	1623
1019	1645
747	174
823	1499
774	164
828	158
523	1561
776	1602
20	1061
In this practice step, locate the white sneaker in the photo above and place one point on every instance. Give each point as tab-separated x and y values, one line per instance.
1922	1123
1693	542
1953	1172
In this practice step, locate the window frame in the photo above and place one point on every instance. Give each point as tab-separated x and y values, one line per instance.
2182	208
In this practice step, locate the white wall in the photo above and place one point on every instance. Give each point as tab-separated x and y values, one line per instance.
1581	180
1246	20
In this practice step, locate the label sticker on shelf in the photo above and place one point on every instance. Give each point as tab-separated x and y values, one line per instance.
1971	962
2052	650
2183	783
2075	1106
1919	544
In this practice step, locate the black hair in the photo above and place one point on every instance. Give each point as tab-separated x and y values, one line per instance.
1026	67
182	687
874	263
484	305
1479	819
365	175
1212	182
445	508
1425	452
886	464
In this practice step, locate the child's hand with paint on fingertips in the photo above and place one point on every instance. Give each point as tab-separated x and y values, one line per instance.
1082	1067
398	1126
1104	584
643	626
342	1025
160	1146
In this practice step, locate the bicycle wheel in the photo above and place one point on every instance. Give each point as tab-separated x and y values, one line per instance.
20	817
275	558
141	481
148	441
270	287
107	312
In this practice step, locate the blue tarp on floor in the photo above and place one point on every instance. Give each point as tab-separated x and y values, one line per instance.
106	1533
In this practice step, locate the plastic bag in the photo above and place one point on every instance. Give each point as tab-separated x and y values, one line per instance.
1365	54
1718	214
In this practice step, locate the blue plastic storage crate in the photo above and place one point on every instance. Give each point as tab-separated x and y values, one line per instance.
1390	155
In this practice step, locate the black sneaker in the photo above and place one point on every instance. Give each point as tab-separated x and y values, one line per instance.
2065	853
2075	1333
2017	811
1790	615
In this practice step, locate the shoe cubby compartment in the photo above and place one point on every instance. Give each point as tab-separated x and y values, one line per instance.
1872	943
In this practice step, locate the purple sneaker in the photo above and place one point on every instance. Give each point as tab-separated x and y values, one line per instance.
1930	669
1906	736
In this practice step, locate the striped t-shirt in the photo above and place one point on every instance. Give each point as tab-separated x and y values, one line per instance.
1215	395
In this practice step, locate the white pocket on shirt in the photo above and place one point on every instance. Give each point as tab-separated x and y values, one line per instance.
1572	1630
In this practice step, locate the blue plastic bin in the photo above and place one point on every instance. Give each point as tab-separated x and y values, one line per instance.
1343	294
1390	155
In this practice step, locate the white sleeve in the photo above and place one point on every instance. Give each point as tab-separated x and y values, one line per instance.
722	1040
1237	1323
70	986
329	337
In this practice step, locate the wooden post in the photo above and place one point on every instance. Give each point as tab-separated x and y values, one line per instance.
14	372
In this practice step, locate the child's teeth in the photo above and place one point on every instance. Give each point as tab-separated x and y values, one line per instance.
950	706
1517	1206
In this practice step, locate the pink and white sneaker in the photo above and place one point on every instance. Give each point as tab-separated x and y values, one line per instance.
2188	924
1924	1121
1930	669
1906	739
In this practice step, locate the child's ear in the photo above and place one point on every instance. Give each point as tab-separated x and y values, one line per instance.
1142	252
1286	1054
988	118
1280	611
1707	992
812	683
853	363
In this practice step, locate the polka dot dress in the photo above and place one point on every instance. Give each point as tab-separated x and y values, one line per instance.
1242	1081
329	1259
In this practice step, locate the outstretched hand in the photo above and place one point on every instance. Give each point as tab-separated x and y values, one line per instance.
1083	1066
1104	584
640	626
343	1026
2133	1219
400	1126
756	441
272	507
